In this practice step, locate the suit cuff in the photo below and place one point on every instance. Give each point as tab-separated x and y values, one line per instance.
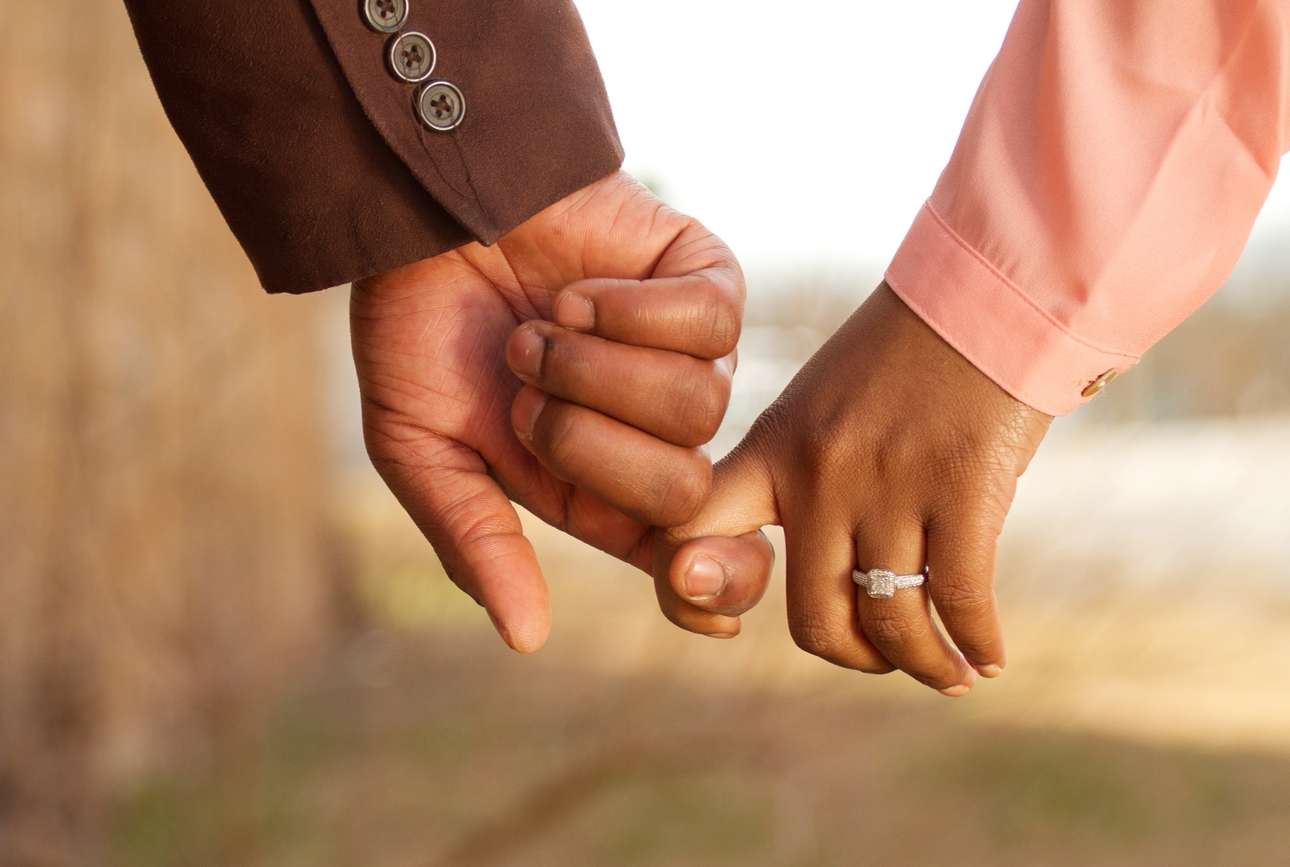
536	125
314	152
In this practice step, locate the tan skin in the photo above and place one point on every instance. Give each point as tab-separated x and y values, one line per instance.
888	450
653	299
618	318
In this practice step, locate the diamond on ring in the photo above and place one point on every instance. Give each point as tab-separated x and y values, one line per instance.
883	583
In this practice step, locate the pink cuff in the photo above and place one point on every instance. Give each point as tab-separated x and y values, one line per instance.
993	323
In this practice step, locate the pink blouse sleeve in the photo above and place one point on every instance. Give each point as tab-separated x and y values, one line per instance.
1103	186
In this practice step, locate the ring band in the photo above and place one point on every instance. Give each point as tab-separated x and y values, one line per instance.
883	583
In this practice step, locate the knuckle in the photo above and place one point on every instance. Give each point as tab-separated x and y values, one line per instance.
896	451
822	451
957	598
966	535
967	465
704	406
816	636
888	628
827	640
724	320
685	492
715	391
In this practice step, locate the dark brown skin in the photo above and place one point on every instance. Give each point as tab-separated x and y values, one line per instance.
888	450
618	319
635	383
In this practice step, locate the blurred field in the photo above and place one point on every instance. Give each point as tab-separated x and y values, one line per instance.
222	643
1142	721
164	561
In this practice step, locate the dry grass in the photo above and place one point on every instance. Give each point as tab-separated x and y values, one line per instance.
1117	737
163	571
161	474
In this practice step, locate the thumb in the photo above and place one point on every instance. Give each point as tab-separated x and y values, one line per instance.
713	569
478	536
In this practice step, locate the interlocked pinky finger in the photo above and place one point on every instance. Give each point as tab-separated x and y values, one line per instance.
689	616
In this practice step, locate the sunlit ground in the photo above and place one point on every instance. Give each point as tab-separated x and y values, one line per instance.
1144	717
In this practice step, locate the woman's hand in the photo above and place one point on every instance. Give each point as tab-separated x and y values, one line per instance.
622	315
889	450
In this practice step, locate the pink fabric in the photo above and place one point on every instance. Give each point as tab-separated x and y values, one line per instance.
1103	187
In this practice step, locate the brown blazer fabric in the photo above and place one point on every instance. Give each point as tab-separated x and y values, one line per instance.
314	152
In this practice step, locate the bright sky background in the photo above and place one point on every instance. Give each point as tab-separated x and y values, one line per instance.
806	134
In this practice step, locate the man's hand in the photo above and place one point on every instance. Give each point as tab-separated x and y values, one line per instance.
628	314
889	450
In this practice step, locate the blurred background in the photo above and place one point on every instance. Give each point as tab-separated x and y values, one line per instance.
222	643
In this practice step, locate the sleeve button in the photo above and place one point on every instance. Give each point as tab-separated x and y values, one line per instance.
412	57
385	16
441	106
1100	383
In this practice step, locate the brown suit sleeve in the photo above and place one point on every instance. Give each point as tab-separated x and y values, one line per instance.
314	151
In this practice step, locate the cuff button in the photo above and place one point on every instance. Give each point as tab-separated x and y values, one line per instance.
412	57
1100	383
441	106
385	16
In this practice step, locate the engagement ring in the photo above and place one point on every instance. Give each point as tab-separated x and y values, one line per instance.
883	584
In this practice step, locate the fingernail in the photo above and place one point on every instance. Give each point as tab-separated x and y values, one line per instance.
574	311
956	691
990	670
529	404
704	579
524	352
721	635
